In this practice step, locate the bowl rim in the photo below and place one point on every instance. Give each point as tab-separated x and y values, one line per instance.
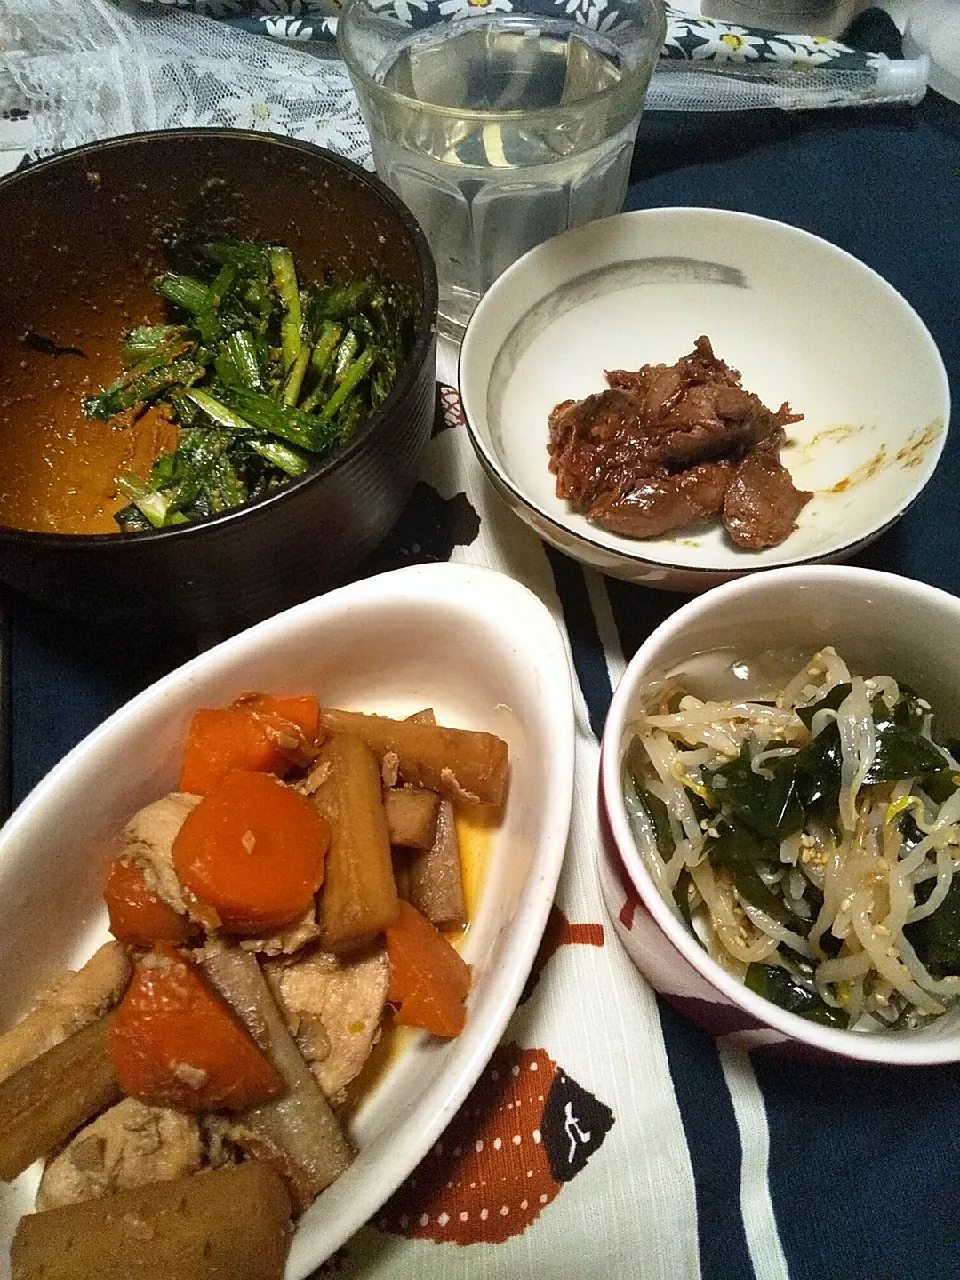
865	1047
492	465
424	334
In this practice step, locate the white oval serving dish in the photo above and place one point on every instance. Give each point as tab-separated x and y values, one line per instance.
480	649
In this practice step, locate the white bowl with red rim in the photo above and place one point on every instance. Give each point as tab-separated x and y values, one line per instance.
878	623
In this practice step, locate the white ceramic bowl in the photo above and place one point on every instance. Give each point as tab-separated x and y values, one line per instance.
475	645
802	320
880	624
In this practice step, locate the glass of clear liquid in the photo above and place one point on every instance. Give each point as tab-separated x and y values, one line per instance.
500	122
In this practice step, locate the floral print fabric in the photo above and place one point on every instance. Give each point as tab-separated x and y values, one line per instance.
695	39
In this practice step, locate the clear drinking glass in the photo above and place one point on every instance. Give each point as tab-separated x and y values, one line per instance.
500	122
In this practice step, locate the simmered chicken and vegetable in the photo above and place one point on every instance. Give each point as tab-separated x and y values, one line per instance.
811	841
186	1087
262	374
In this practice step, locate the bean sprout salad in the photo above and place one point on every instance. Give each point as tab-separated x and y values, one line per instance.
810	841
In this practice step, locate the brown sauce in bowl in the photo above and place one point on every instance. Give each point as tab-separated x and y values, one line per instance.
58	469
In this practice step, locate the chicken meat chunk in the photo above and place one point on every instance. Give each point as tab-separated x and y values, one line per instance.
333	1006
128	1146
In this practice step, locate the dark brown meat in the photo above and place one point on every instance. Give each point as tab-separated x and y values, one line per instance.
594	441
618	454
661	503
762	503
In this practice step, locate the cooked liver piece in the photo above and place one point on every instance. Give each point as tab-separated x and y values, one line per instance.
762	503
636	457
661	503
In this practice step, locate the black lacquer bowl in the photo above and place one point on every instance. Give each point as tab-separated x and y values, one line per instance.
81	236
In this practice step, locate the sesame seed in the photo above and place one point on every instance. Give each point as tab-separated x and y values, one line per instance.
543	1199
443	1219
478	1146
497	1144
536	1135
464	1217
424	1219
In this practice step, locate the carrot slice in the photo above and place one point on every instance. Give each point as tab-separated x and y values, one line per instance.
257	732
301	710
428	978
138	916
254	850
175	1043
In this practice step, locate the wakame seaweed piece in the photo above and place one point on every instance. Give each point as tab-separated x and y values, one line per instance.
681	895
752	888
815	770
940	784
776	985
737	844
901	753
936	938
311	431
770	806
910	833
829	943
659	817
829	702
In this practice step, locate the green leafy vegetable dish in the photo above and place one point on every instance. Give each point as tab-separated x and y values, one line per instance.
262	375
809	840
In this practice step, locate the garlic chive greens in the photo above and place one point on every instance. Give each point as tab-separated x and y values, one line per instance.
262	374
810	840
